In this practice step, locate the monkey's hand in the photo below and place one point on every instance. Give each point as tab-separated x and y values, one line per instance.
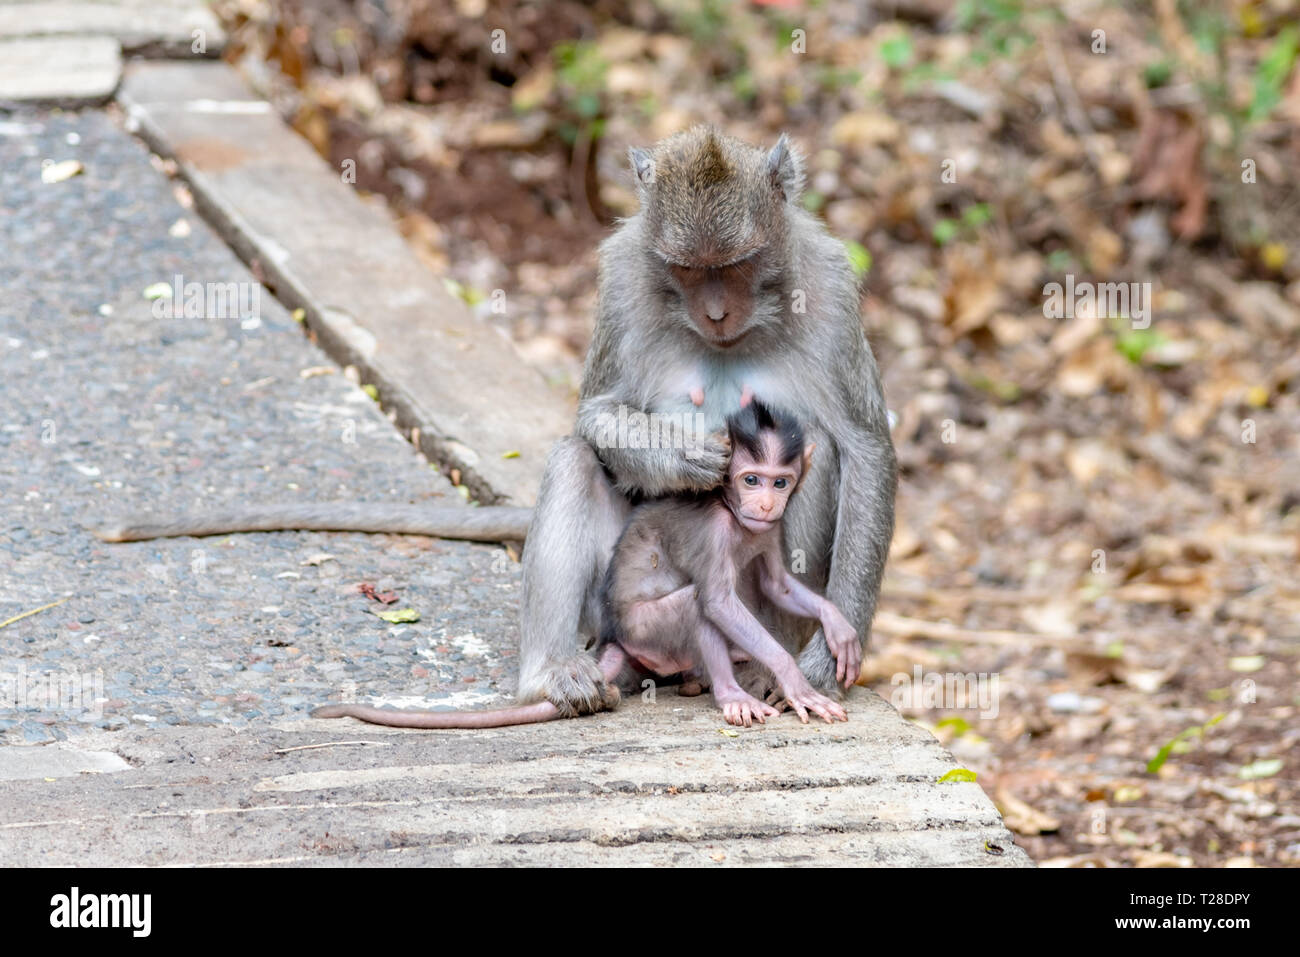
705	460
575	686
681	461
842	642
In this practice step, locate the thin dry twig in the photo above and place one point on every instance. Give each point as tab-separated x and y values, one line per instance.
34	611
333	744
903	626
984	596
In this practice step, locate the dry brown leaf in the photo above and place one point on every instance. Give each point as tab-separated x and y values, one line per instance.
1022	818
1160	859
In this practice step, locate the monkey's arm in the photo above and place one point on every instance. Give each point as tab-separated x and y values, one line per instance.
864	521
793	596
683	462
495	523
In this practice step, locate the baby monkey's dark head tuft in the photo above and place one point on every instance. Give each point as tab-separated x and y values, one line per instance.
754	421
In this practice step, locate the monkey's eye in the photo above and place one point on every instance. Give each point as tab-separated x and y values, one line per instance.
751	480
780	483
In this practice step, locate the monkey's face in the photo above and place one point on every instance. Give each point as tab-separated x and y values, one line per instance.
719	300
759	489
715	219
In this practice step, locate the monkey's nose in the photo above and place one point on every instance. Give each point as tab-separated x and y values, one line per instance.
717	318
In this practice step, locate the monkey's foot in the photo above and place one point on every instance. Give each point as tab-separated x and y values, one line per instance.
691	686
575	686
741	708
755	679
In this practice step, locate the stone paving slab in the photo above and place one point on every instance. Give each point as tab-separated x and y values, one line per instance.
478	406
653	783
150	27
30	764
64	71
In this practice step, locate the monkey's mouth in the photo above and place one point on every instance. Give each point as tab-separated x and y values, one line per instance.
725	342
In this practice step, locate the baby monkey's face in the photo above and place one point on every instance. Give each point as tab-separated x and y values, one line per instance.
758	487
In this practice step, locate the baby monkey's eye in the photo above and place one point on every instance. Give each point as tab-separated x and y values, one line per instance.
751	480
780	483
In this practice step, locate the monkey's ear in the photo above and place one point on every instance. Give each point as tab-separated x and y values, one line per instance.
807	462
785	169
643	168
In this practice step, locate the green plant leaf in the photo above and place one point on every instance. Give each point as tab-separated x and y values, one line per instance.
859	257
977	215
958	776
944	231
959	725
1272	72
399	616
896	51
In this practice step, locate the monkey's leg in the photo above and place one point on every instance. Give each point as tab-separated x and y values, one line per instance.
789	631
839	525
577	520
660	632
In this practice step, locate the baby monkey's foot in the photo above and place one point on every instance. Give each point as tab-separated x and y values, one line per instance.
691	687
741	708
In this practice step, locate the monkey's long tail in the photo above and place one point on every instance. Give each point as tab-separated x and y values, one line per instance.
612	659
494	523
500	718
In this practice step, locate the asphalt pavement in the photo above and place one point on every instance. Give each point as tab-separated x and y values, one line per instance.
106	408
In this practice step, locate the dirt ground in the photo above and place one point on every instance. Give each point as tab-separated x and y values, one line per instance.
1099	507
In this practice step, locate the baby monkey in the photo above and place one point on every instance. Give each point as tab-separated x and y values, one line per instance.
672	597
673	592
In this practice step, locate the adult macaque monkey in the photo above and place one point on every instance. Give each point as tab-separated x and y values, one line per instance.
721	279
671	595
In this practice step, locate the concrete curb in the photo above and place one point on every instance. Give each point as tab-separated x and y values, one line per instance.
169	28
477	406
654	783
59	71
